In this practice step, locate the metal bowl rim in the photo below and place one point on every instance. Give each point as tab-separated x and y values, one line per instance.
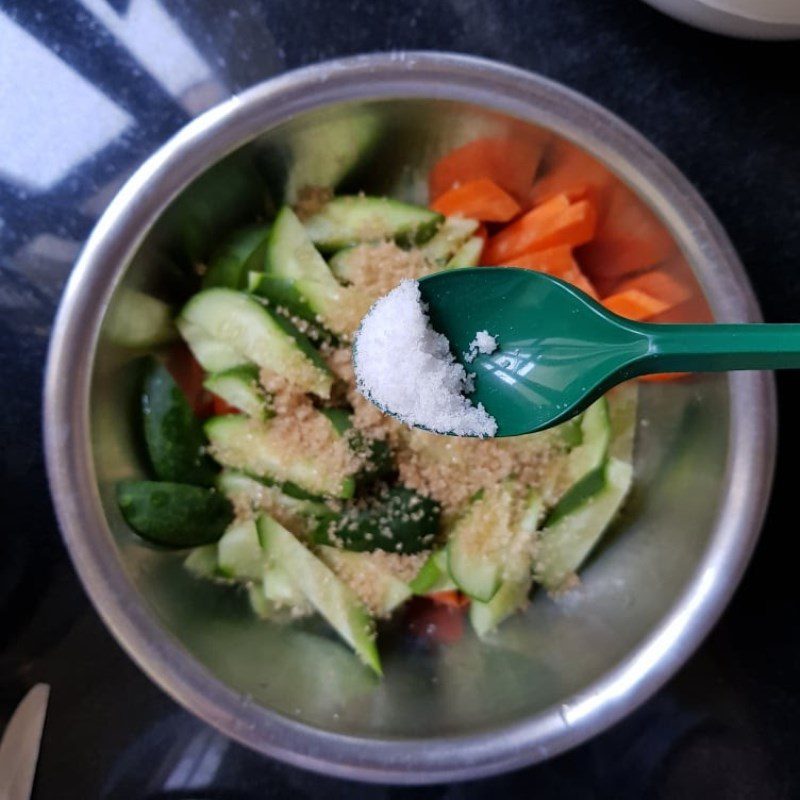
119	232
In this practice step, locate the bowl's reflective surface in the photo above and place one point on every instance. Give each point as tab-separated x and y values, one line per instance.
654	588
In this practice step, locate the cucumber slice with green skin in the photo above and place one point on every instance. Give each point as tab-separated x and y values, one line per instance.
174	436
325	159
258	335
213	355
375	454
174	514
566	543
386	591
259	604
517	578
398	520
306	285
341	264
239	552
446	242
331	597
241	388
253	447
434	575
298	515
484	539
623	401
346	221
137	320
468	255
228	268
281	592
202	562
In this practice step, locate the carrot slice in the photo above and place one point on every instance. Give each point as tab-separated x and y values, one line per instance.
664	377
568	170
657	283
510	162
450	597
437	624
480	199
222	407
556	222
635	304
557	261
629	239
188	374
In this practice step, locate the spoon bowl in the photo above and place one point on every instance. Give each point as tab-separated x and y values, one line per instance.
559	350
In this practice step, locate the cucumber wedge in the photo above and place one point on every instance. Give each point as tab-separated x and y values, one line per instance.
478	542
434	575
468	255
324	159
282	593
446	242
202	562
239	552
386	591
241	388
213	355
257	449
330	596
623	401
138	320
228	267
174	514
517	578
346	221
398	520
174	436
245	327
567	542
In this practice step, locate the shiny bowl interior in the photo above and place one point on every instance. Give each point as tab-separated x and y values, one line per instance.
552	676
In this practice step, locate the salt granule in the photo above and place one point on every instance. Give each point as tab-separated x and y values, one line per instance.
406	368
484	343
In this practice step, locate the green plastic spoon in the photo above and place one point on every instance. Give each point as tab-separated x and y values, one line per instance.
559	350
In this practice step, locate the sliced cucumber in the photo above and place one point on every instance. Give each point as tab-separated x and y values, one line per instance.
282	593
138	320
228	268
341	263
299	516
257	449
245	327
566	543
241	388
307	286
346	221
477	542
623	401
174	514
239	552
517	577
213	355
202	562
174	436
325	158
448	240
468	255
331	597
386	591
398	520
434	575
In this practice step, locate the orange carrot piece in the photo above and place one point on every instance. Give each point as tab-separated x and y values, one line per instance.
568	170
556	222
482	232
480	199
629	239
658	283
557	261
510	162
664	377
189	375
437	624
450	597
635	304
222	407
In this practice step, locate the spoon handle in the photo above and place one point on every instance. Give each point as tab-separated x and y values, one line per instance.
719	348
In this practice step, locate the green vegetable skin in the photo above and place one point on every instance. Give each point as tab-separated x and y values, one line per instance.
174	514
398	520
240	388
228	268
332	598
174	436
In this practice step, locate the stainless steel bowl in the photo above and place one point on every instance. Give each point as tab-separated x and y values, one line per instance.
554	676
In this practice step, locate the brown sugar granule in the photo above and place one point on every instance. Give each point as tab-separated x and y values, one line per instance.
310	200
378	267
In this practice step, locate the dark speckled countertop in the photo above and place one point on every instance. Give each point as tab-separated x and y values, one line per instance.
88	88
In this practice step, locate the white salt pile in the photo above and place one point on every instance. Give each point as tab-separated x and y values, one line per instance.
483	342
406	368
